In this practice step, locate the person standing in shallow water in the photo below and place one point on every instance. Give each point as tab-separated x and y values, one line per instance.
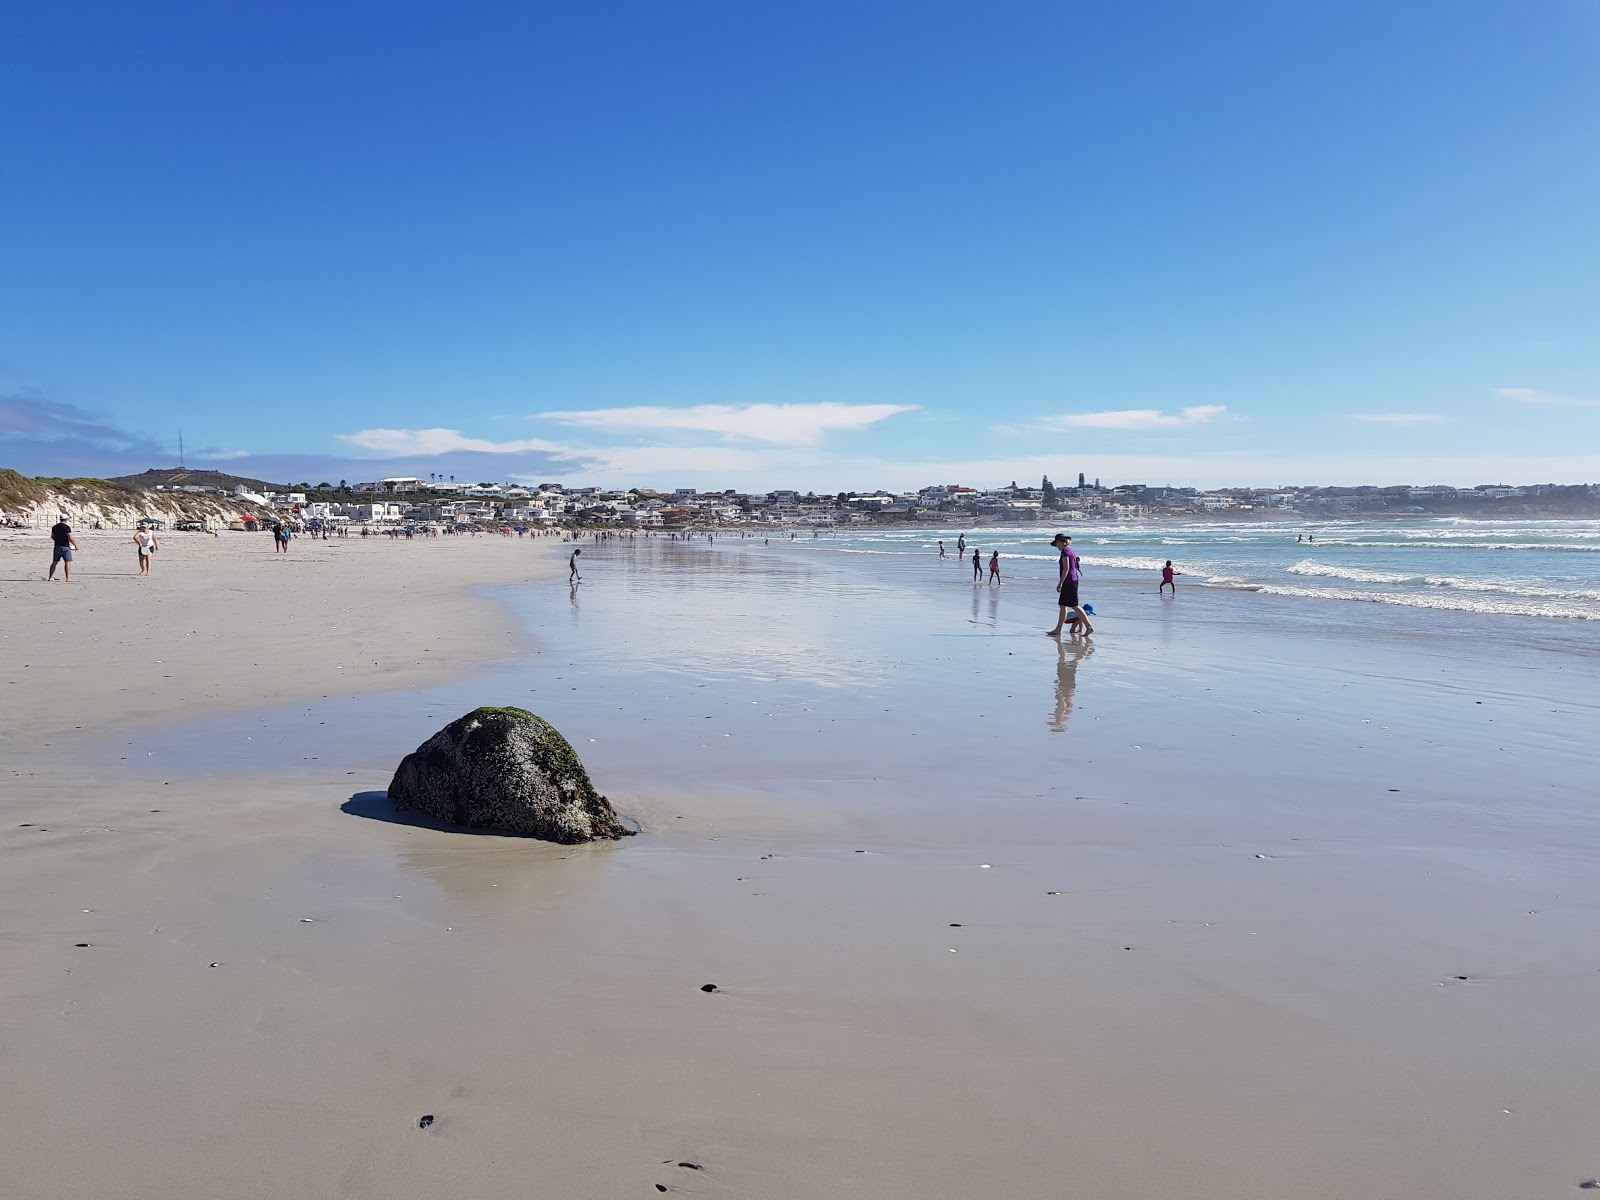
1168	579
994	568
572	567
942	554
977	566
1067	589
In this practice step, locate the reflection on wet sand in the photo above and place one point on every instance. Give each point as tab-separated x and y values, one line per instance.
1068	655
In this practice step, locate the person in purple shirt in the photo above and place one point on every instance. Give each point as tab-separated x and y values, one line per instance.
1067	590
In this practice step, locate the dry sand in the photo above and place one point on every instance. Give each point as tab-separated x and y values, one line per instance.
275	991
224	623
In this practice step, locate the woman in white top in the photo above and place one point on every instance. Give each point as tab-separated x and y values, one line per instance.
145	540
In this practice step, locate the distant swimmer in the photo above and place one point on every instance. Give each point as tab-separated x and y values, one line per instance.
977	566
572	565
1067	589
1167	574
994	567
942	554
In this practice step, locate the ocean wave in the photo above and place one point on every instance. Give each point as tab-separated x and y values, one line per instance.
1307	566
1508	587
1451	545
1436	600
1128	562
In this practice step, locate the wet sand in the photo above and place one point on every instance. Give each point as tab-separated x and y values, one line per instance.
985	917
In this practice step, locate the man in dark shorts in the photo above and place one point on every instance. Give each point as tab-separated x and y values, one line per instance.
1067	590
62	548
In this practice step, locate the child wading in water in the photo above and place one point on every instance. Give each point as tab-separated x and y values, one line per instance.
1166	578
994	567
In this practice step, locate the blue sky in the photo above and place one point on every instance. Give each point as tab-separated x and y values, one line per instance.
814	244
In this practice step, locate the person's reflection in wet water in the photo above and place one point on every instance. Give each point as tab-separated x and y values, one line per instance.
573	596
1068	655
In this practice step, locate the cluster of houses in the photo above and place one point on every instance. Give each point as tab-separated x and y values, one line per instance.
407	500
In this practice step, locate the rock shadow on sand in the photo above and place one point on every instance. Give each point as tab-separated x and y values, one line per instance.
376	806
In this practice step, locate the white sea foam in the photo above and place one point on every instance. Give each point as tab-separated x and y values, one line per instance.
1509	587
1439	600
1307	566
1130	562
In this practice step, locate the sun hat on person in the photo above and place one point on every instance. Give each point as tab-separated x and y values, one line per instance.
1059	538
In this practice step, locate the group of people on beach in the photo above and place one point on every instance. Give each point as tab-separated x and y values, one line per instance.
1073	616
977	561
63	546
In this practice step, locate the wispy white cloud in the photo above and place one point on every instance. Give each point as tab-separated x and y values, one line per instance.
643	464
1122	418
398	442
770	424
1524	395
1398	418
616	462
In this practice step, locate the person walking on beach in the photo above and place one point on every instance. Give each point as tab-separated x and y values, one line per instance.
1067	590
942	554
1167	574
977	566
572	567
994	568
61	550
144	541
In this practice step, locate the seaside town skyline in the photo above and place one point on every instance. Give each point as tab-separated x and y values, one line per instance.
442	498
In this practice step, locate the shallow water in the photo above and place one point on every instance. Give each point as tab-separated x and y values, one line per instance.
1528	568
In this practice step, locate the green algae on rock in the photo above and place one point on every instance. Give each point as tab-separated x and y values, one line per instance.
508	770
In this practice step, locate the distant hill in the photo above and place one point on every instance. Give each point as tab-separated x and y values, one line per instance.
179	476
36	502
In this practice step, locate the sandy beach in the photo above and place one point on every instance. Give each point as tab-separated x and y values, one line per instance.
1246	901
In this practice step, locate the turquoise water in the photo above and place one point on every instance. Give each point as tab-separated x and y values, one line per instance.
1528	568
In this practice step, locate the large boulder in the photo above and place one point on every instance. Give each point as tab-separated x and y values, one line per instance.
508	770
